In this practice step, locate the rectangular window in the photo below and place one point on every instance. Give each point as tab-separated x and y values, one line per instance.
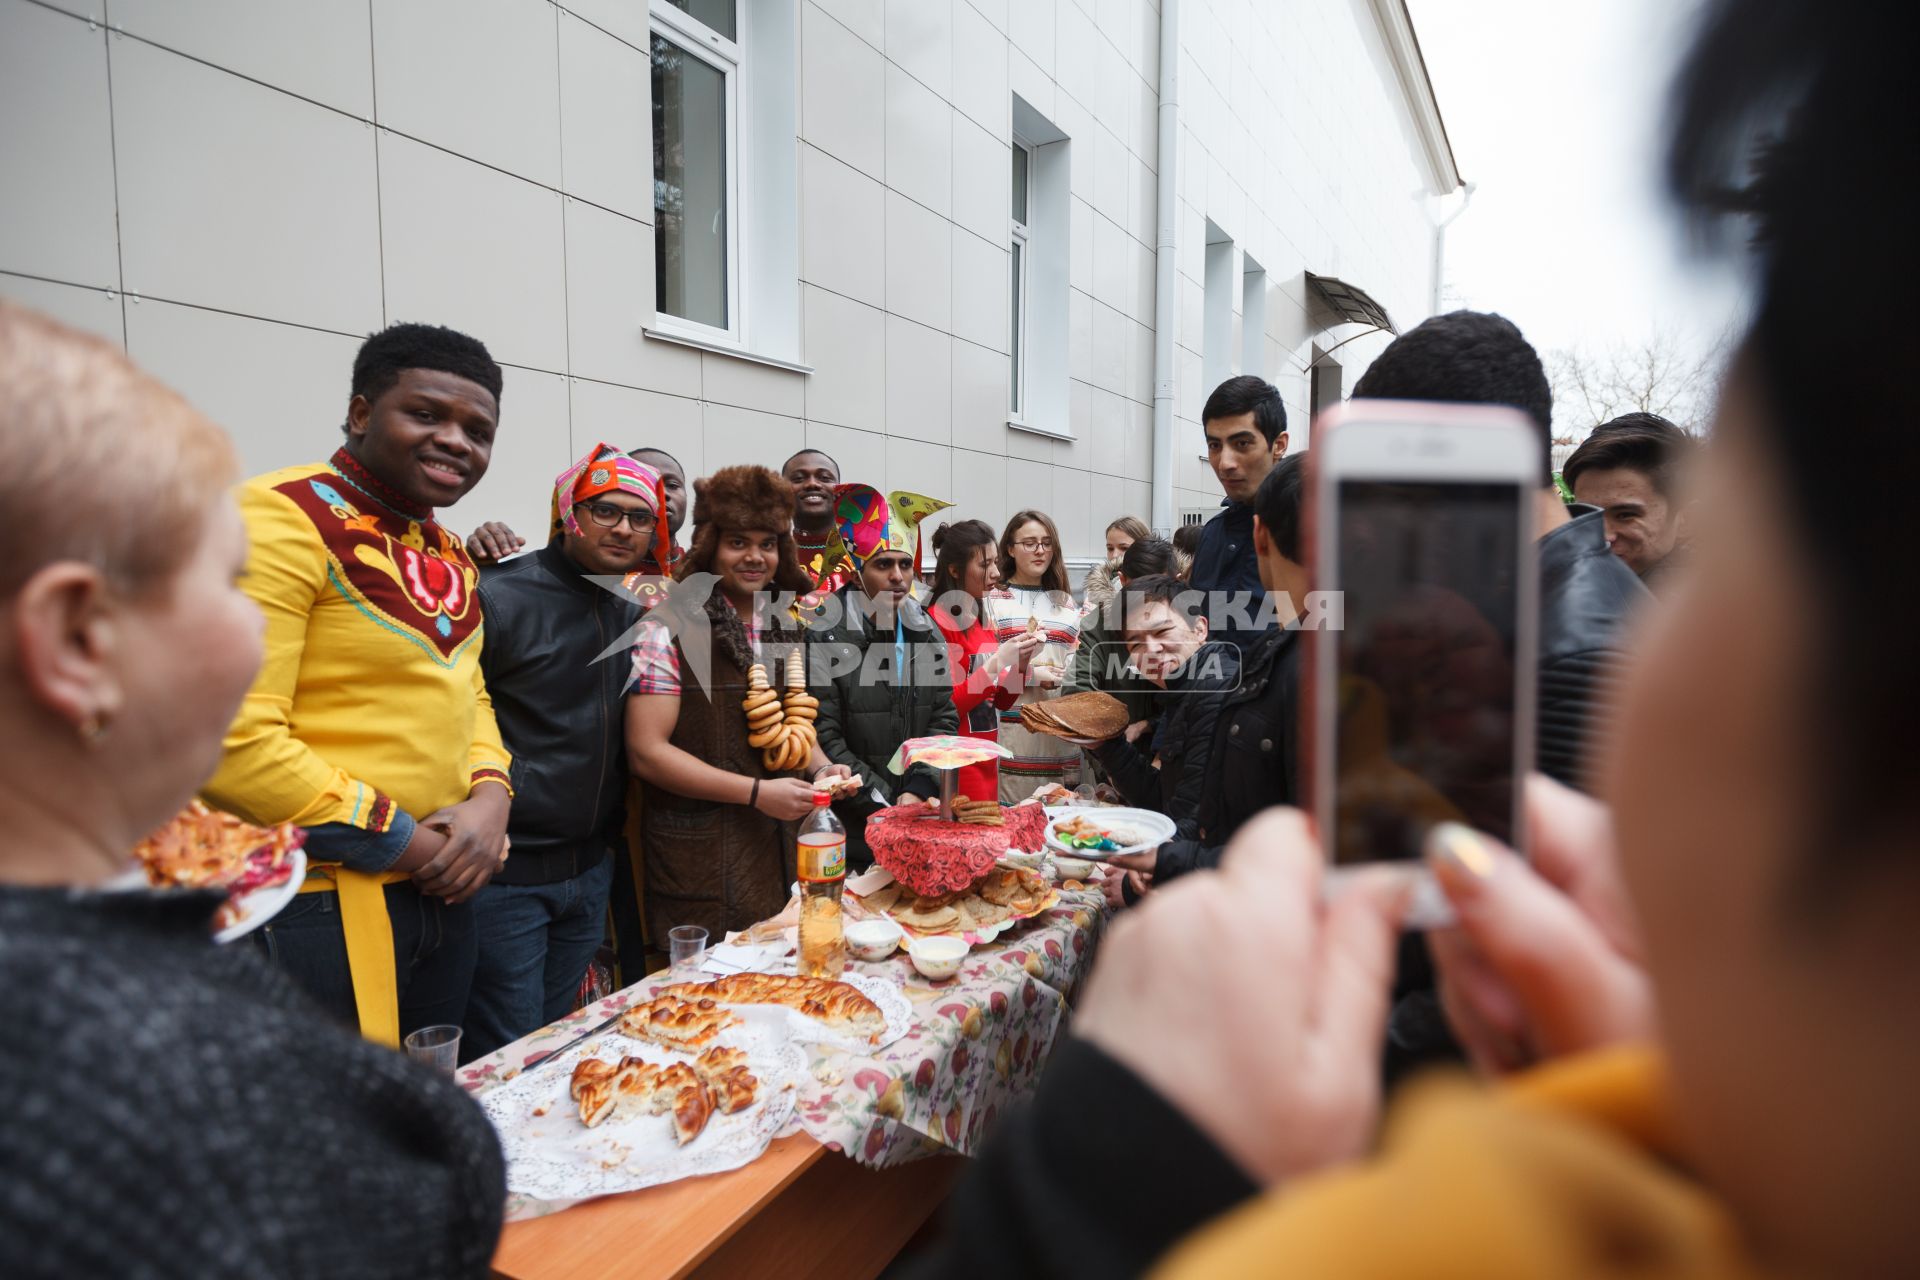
697	63
1017	281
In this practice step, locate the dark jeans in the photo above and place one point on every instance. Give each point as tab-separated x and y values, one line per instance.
535	943
433	951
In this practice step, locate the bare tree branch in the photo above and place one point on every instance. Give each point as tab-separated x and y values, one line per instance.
1662	373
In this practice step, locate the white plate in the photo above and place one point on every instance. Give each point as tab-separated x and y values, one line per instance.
263	905
1157	827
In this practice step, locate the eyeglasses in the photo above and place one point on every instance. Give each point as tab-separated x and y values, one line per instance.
608	516
1035	544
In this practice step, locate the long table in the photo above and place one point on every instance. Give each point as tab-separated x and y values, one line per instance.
880	1130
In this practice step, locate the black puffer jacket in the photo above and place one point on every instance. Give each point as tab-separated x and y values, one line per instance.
1254	762
866	711
1182	737
1587	597
561	706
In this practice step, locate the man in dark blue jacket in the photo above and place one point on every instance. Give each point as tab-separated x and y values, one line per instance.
1246	428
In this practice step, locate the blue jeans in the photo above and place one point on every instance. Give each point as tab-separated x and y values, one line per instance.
433	951
536	941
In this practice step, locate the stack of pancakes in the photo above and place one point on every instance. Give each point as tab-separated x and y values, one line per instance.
1092	716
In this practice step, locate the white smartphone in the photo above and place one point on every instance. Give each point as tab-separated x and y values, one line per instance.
1420	701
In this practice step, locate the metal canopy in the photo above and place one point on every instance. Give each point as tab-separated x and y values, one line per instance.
1351	303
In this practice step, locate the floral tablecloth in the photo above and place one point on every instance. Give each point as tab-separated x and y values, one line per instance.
977	1044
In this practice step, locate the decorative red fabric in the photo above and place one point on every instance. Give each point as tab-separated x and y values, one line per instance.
1026	827
931	856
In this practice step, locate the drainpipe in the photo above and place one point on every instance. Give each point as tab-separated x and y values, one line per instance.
1166	307
1440	244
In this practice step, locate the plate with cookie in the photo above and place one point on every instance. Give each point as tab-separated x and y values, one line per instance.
675	1089
1097	834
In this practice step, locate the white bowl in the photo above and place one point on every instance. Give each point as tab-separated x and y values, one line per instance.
873	940
1073	868
938	958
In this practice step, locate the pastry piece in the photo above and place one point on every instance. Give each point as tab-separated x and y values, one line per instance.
768	736
985	914
589	1070
734	1090
634	1082
692	1108
834	1004
596	1100
883	898
719	1060
676	1023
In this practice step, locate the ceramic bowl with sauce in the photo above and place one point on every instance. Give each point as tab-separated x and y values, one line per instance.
873	940
938	957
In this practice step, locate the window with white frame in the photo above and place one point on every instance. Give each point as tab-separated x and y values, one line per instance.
698	65
1017	282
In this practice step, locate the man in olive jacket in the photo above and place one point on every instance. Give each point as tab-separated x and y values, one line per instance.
878	663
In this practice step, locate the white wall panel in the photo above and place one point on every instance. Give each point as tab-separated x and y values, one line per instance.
91	310
478	77
56	148
980	69
606	152
314	48
628	418
842	229
736	436
920	41
979	394
919	263
919	126
842	93
534	445
919	467
981	173
981	278
609	299
235	196
979	489
748	384
865	18
846	345
280	391
470	247
919	381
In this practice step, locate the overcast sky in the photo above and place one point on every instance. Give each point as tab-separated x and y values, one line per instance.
1554	108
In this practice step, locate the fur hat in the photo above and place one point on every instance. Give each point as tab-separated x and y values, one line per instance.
744	499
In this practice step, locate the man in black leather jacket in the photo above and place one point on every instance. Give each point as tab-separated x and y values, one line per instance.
1586	596
564	705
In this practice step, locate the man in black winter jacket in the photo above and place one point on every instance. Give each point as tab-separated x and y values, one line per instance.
1253	761
563	707
878	664
1585	601
1168	772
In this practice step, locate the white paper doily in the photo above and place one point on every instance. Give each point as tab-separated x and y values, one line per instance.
553	1156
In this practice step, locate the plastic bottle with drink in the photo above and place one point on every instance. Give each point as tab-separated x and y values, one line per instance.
823	874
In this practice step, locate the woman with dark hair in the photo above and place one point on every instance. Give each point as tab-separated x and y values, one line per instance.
1033	597
1121	534
716	823
174	1108
1707	982
987	674
1186	542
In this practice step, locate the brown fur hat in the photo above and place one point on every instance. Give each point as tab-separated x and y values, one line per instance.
743	499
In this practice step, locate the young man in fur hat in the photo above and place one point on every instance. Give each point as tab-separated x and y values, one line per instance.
716	823
880	665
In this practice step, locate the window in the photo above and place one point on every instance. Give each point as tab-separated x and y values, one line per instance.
1253	317
1216	324
697	62
1017	284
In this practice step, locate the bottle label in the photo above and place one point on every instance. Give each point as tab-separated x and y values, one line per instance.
823	859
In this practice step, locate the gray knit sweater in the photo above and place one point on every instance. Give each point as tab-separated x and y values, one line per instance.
172	1108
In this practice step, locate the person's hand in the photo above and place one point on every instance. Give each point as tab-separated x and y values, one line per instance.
476	836
1111	891
1017	654
1253	1006
1046	676
1137	728
493	542
829	773
785	799
1545	958
1139	862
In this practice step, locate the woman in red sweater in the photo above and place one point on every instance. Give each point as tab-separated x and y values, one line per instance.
987	678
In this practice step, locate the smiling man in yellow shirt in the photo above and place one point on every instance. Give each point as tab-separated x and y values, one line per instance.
369	723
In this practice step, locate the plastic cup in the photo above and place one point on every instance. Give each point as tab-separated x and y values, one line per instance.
686	944
436	1047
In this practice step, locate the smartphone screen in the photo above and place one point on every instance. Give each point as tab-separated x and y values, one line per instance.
1425	663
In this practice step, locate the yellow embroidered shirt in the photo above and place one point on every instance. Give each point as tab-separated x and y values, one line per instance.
369	710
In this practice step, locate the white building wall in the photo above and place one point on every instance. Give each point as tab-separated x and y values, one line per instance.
238	190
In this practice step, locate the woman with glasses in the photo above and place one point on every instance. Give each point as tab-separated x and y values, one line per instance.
1033	598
